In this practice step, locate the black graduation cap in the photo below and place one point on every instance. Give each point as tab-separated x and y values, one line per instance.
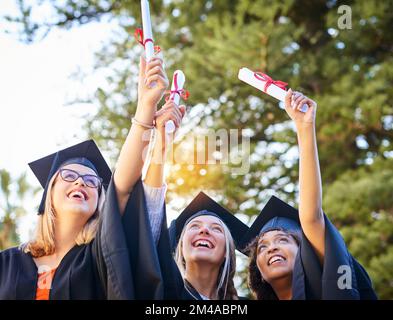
85	153
276	214
202	204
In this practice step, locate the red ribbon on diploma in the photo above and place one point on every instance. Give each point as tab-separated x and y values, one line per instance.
138	34
184	94
268	81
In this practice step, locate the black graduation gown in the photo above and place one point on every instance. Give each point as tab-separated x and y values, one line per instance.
77	276
90	271
311	281
155	273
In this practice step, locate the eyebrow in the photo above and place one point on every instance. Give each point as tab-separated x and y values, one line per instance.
274	237
199	221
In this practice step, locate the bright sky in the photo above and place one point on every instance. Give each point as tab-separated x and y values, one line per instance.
35	85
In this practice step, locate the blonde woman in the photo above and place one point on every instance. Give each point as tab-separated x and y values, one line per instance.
64	259
206	236
201	272
80	249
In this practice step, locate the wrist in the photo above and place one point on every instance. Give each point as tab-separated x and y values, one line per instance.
159	148
146	106
145	115
142	124
304	126
305	134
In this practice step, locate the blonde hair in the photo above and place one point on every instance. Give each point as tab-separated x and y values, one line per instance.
225	286
44	241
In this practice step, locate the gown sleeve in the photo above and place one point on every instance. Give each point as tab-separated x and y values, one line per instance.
110	251
155	199
313	281
155	272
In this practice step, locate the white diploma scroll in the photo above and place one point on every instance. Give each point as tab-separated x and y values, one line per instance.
177	86
255	80
147	31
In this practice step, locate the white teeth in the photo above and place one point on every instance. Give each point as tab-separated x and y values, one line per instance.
203	243
275	259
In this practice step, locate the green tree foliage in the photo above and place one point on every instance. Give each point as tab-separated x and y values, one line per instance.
12	195
348	72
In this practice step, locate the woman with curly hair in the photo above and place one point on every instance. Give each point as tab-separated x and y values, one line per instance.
300	254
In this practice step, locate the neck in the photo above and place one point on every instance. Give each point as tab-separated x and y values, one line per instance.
66	232
283	288
203	277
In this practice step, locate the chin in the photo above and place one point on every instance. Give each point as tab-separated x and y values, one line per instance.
198	257
280	273
207	259
79	210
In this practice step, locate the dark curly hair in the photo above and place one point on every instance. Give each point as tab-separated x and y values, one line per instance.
260	288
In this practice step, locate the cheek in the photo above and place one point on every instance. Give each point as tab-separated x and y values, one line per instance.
58	193
291	252
261	263
93	200
221	245
187	242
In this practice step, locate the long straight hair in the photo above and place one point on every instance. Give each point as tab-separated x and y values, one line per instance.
225	286
43	243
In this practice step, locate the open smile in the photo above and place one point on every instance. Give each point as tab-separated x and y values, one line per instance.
275	259
203	243
78	194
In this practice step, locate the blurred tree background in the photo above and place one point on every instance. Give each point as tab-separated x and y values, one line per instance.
348	72
13	192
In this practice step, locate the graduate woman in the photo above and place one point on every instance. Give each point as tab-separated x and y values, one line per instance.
203	237
203	234
155	273
300	254
64	260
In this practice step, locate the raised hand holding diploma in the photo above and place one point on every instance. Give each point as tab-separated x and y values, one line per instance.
263	82
294	101
176	93
149	96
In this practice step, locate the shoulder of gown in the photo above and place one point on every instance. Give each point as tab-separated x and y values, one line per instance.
313	281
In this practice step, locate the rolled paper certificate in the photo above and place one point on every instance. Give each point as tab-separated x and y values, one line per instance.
148	41
175	94
266	84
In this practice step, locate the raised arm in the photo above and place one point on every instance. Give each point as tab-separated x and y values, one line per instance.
310	185
155	173
152	84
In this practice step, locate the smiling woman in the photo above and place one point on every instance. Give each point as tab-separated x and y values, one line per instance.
205	236
66	257
276	249
206	241
300	254
75	202
272	260
283	264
